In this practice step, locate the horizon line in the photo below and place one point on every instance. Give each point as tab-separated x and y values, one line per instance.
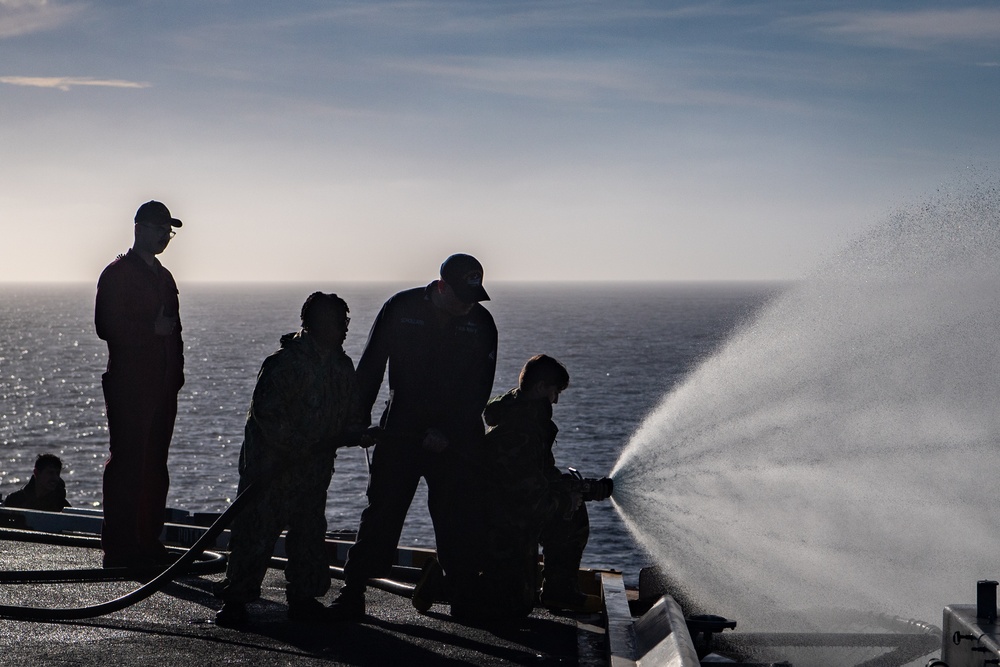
525	281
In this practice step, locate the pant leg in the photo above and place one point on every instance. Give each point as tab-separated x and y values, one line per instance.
253	535
504	585
155	476
129	411
395	473
563	541
308	569
455	505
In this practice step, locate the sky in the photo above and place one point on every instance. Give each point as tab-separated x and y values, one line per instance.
555	140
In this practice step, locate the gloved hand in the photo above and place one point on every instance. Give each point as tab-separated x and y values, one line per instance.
354	437
370	436
570	503
598	489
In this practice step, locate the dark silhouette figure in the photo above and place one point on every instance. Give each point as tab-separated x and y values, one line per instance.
137	314
46	489
304	406
440	346
528	501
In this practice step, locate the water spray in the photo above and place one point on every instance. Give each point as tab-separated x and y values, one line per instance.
809	461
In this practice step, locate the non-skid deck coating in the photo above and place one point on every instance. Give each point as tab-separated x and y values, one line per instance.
176	627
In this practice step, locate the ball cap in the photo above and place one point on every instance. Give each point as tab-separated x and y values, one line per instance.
464	274
155	213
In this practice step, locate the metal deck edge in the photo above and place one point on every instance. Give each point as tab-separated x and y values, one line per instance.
660	637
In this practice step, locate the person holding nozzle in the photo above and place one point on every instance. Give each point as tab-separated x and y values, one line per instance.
440	346
528	502
305	405
137	314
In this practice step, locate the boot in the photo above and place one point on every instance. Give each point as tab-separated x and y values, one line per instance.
428	589
232	615
349	606
565	595
307	610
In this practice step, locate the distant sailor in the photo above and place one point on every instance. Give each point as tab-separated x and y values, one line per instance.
46	489
440	345
137	314
304	406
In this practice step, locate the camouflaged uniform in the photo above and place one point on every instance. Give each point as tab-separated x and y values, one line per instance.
303	407
527	502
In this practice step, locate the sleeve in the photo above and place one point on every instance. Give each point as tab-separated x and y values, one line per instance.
357	419
354	420
487	367
489	364
555	476
491	413
371	366
171	299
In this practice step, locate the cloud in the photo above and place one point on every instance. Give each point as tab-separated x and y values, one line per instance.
594	82
910	29
21	4
22	17
456	17
67	82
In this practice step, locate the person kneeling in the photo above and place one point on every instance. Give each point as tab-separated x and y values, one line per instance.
529	502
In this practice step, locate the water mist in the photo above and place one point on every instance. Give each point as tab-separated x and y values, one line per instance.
840	449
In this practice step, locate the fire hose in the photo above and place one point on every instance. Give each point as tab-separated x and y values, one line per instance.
147	589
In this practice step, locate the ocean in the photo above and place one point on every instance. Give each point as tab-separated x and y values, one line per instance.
625	346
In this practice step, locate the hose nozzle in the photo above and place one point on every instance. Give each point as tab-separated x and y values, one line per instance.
592	489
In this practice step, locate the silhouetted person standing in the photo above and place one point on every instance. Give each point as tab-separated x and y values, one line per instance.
137	314
304	407
440	345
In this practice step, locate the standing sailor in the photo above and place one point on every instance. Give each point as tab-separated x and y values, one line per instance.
137	314
440	346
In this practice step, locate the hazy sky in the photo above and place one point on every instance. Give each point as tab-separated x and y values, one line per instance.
367	140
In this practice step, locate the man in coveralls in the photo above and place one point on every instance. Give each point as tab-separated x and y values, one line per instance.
304	406
440	345
137	314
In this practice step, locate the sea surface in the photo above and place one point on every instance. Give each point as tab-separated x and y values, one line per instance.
625	346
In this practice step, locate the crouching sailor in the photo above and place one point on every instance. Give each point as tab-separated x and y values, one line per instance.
304	406
529	502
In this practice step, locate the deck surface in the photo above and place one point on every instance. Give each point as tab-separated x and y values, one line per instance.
176	627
